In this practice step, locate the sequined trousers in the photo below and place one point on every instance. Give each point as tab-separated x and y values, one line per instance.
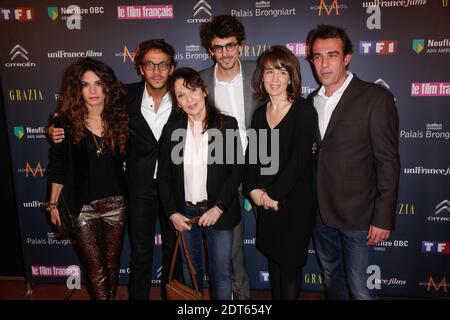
98	237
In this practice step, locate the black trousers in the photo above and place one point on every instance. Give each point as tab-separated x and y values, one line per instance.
142	214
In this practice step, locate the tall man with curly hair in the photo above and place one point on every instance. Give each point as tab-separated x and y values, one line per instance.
229	85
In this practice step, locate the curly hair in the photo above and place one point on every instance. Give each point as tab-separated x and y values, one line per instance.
154	44
224	26
114	115
279	57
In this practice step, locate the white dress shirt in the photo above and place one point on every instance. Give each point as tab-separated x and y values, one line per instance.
195	163
229	99
325	105
156	120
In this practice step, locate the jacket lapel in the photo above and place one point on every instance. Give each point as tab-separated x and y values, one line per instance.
180	123
310	99
339	111
248	92
140	123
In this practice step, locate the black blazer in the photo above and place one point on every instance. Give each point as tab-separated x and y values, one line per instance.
69	166
223	179
142	146
358	165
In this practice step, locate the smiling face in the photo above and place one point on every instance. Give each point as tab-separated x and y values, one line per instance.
330	63
155	77
191	100
92	90
276	80
225	51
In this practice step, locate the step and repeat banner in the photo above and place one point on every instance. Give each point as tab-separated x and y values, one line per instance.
403	45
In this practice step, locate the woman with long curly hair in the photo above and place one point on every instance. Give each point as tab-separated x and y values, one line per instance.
86	171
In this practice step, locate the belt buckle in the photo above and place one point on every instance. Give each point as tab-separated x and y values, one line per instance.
199	205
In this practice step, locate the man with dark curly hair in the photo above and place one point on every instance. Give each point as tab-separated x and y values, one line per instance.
150	107
229	85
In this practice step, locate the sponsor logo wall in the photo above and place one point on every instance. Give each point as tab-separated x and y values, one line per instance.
40	39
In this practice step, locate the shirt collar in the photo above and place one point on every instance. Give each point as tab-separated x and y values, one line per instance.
165	103
339	91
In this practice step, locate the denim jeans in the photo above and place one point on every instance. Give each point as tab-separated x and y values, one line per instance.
344	257
219	256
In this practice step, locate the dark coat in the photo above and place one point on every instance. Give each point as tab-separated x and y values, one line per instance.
358	166
69	166
284	235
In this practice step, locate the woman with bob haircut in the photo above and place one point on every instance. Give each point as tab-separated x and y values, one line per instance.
285	200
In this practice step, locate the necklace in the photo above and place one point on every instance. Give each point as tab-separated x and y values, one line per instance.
98	146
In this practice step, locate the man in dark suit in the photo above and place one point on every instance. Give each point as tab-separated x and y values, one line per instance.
150	106
229	87
358	165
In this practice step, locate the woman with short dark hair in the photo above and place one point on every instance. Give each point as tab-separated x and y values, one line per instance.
199	175
285	199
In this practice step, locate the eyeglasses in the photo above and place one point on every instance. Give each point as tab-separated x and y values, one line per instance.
229	46
150	66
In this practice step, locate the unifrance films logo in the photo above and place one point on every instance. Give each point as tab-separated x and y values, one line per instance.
62	54
394	4
144	12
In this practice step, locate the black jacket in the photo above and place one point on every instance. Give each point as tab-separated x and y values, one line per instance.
69	166
358	167
142	146
223	179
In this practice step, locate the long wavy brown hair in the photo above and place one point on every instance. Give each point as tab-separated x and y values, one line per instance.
114	115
